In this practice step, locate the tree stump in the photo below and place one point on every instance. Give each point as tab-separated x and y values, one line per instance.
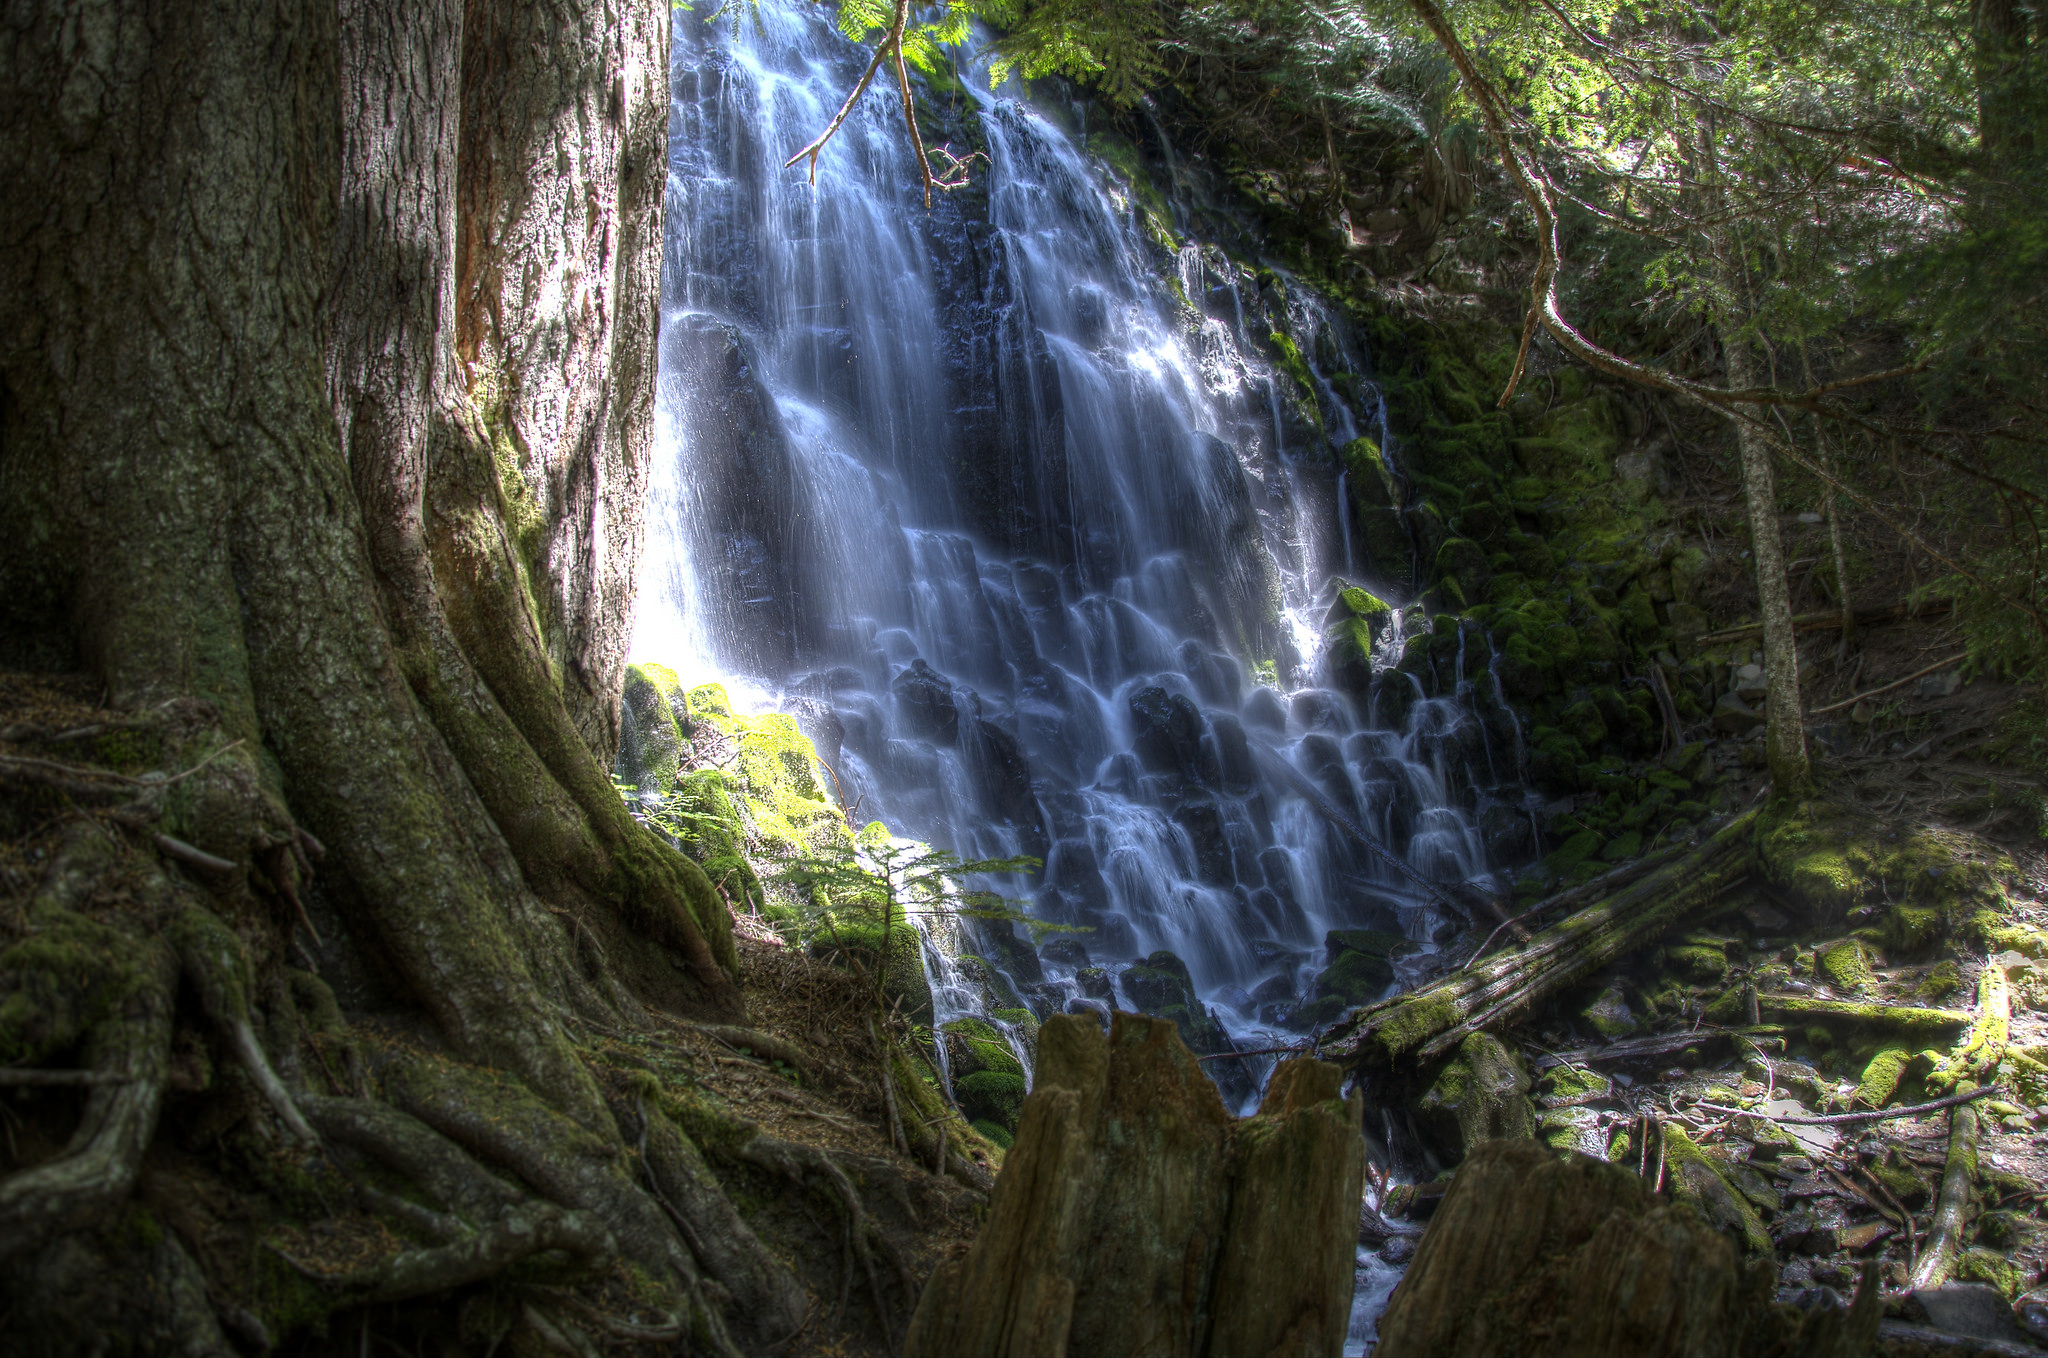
1134	1216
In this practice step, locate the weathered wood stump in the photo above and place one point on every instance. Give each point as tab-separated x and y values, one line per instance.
1532	1255
1134	1216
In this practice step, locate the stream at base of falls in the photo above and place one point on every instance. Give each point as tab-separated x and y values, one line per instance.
1028	508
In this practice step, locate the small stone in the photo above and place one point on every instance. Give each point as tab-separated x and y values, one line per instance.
1399	1249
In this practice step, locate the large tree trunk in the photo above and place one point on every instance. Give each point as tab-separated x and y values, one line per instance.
327	342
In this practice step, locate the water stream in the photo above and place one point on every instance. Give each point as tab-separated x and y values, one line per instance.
1010	507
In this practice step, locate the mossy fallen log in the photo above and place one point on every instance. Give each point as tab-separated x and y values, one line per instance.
1904	1019
1429	1023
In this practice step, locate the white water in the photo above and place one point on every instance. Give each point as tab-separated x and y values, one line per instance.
993	442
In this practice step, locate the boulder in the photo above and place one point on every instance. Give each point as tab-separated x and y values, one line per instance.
1166	731
1135	1216
1482	1094
924	699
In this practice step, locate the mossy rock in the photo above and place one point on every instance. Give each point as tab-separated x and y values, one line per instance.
992	1096
1981	1265
1703	963
1570	1086
650	735
859	941
1912	930
1696	1178
1573	852
1845	965
1903	1180
973	1046
1355	977
1609	1014
1885	1072
1622	847
1942	981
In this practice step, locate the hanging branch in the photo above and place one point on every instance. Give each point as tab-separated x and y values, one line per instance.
954	176
1545	310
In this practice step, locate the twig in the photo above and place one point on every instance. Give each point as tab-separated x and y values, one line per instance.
61	1077
188	853
1854	699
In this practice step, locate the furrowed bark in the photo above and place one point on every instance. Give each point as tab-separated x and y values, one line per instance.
1431	1022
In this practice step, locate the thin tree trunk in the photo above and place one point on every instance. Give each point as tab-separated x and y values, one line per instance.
1785	730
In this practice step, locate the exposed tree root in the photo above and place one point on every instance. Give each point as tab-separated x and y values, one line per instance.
1952	1204
1977	1058
98	1168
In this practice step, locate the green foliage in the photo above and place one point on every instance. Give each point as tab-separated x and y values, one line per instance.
864	895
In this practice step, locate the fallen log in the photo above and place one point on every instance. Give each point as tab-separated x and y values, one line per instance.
1660	1045
1930	1024
1977	1056
1430	1023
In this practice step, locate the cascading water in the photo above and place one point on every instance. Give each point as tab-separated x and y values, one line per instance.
1005	504
1009	524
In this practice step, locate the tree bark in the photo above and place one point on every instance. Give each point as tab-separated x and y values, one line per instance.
1785	729
326	382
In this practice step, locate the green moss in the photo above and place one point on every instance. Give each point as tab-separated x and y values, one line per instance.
1415	1020
1573	852
1942	981
61	982
1296	367
1355	977
1623	847
1884	1073
1980	1265
995	1132
1699	1180
1845	966
1700	962
993	1096
983	1047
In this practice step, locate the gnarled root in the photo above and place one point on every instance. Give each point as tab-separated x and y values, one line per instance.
762	1286
99	1166
218	971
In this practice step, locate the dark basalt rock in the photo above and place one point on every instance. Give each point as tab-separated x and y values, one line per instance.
924	697
1203	822
1166	732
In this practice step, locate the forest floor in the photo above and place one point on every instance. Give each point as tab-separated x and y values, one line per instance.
1933	761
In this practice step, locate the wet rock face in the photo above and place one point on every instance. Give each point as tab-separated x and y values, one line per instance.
1134	1216
1166	731
925	700
1530	1254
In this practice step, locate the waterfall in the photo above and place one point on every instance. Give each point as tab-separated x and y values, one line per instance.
1006	499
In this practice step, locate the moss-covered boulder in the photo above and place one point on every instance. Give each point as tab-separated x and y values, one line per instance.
651	720
1361	964
992	1096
